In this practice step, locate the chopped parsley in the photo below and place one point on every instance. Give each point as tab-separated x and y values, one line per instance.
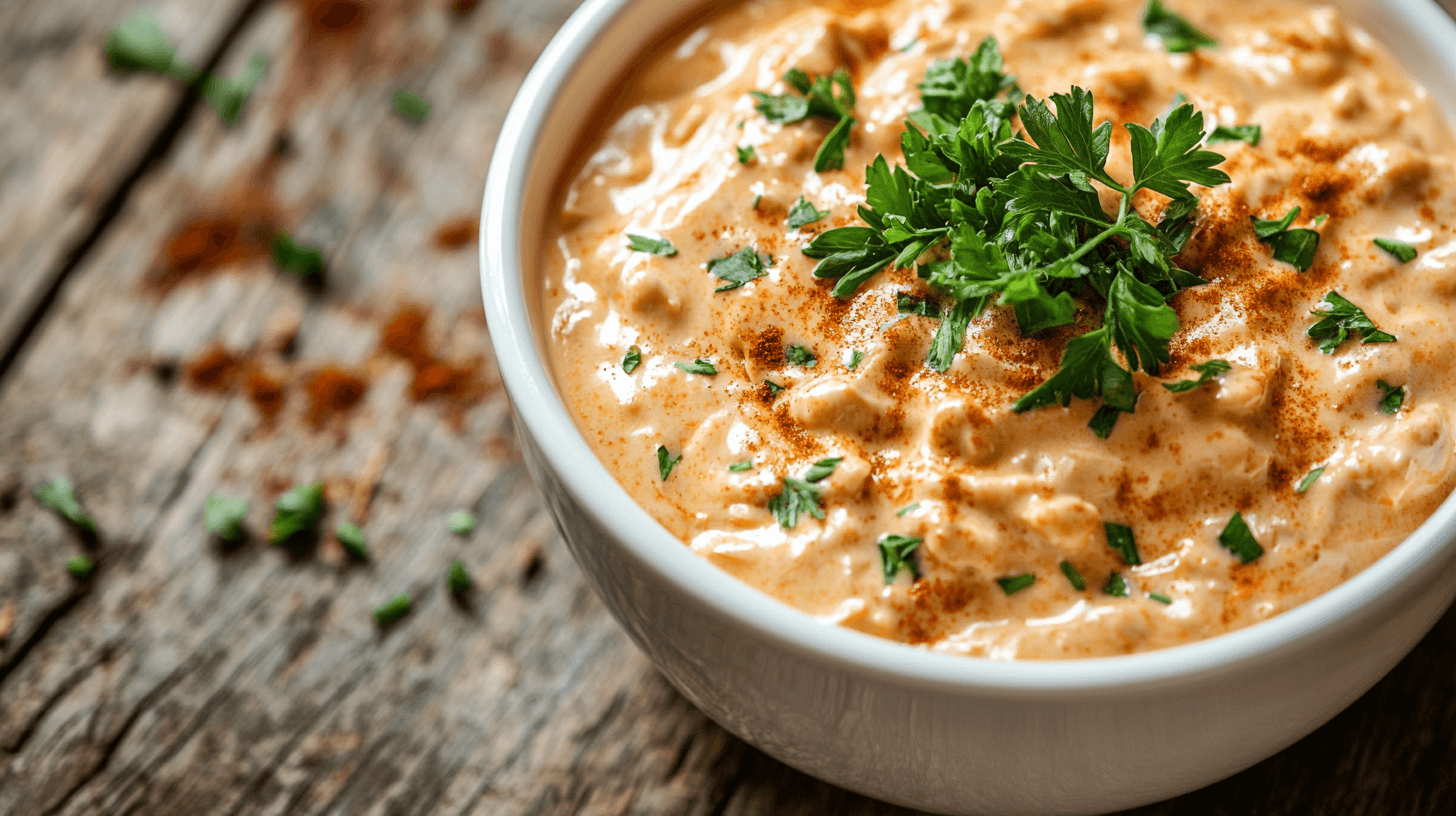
410	106
1162	599
827	97
757	199
1239	540
822	469
1178	35
1104	420
804	213
393	610
1015	583
1400	250
802	495
800	356
351	538
1120	539
746	153
140	46
907	509
457	578
224	516
895	552
739	268
1116	586
908	304
1309	479
296	512
1073	577
1238	133
303	261
59	496
1338	321
698	366
632	359
854	358
461	523
227	96
1391	397
1295	247
666	461
652	246
774	389
80	567
739	467
1207	373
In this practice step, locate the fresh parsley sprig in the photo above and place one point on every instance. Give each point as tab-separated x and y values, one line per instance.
1178	35
828	97
1294	246
1339	320
1207	373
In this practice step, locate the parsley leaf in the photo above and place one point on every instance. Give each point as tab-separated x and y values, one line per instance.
737	269
1015	583
1162	599
351	538
1207	373
827	97
224	516
800	356
952	87
666	462
1239	540
951	334
393	610
1168	157
1120	539
1178	35
1104	420
59	496
410	106
1309	479
774	389
1400	250
854	358
227	96
746	153
1292	246
80	567
908	304
1073	577
632	359
895	552
1066	143
457	578
1116	586
802	495
296	511
909	508
822	469
652	246
739	467
804	213
1238	133
1140	321
698	366
1391	397
461	523
1087	369
1339	320
139	45
303	261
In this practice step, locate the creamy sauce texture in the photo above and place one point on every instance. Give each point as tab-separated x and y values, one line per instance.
993	493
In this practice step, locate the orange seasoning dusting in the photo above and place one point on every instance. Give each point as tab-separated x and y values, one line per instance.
457	233
215	369
403	336
334	16
266	394
332	391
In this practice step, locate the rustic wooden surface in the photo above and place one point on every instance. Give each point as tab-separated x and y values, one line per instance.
191	677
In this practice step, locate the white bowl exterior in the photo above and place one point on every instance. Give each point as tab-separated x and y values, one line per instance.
937	732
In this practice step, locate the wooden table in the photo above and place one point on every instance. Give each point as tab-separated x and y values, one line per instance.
150	352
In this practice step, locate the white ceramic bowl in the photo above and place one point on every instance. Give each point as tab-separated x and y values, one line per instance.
938	732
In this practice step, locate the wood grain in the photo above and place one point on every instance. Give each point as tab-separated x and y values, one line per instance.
192	677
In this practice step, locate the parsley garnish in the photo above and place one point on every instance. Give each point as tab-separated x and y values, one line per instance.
827	97
1292	246
296	511
739	467
739	268
59	496
411	106
907	509
1341	318
1391	397
804	213
746	154
1309	479
457	578
1207	373
1238	133
757	199
303	261
1162	599
1178	35
1104	420
224	516
800	356
1400	250
774	389
666	461
351	538
139	45
1073	577
1239	540
227	96
908	304
853	362
698	366
461	523
895	551
652	246
1015	583
1120	539
801	495
1115	586
632	359
393	610
80	567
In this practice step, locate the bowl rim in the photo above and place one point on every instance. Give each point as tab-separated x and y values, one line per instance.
548	422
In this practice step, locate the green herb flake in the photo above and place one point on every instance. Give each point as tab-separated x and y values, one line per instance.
1239	540
1340	319
698	366
1207	373
457	578
1162	599
1400	250
461	523
1391	397
80	567
59	496
854	359
908	509
757	199
224	516
652	246
1309	479
1104	420
351	538
774	389
827	97
1295	247
303	261
739	268
666	462
746	153
139	45
227	96
895	552
632	359
1116	586
411	106
739	467
1178	35
804	213
822	469
1073	577
1238	133
1015	583
800	356
1120	539
802	495
296	511
393	610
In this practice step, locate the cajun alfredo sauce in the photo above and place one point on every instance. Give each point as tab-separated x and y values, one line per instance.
1345	134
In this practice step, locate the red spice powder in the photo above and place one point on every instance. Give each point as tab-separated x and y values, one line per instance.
332	391
457	233
215	369
334	16
266	394
404	336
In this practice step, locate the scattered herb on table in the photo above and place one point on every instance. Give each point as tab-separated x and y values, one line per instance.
80	567
1238	133
351	538
461	523
1207	373
296	511
1340	319
698	366
827	97
303	261
652	246
1294	246
1238	539
224	516
1015	583
1400	250
895	555
739	268
802	495
410	106
1391	397
666	462
632	359
393	610
228	95
60	496
804	213
139	45
457	578
1073	577
1178	35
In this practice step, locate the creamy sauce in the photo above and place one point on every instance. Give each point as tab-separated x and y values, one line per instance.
1345	134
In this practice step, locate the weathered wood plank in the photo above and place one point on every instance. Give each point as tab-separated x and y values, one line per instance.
190	677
